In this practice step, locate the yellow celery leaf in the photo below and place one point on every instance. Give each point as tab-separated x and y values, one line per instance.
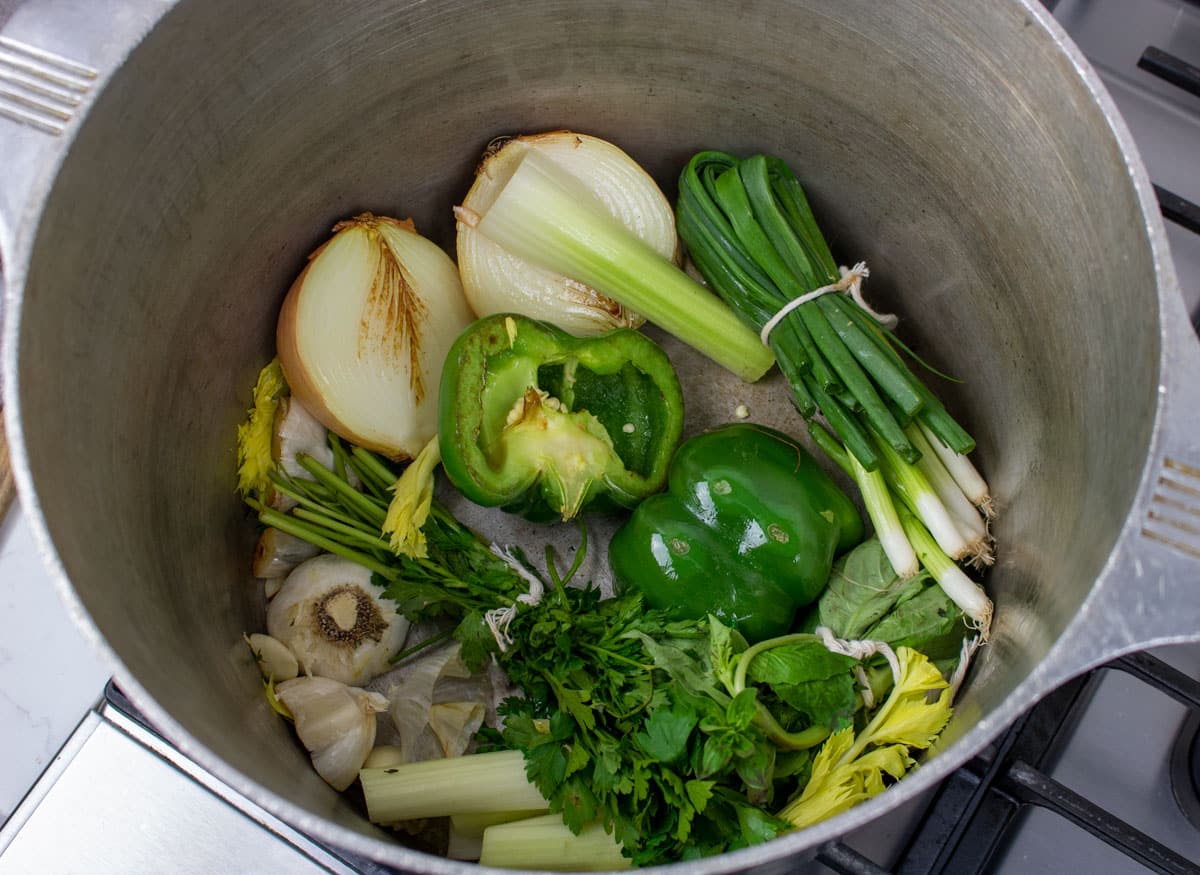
410	505
254	457
911	720
893	759
829	790
849	770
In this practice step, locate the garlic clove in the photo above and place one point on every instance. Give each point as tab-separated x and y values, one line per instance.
278	553
274	660
335	722
336	621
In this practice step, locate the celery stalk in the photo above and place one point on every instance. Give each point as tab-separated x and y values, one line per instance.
472	784
545	217
547	843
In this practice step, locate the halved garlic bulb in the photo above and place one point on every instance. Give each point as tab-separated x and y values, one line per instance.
336	622
364	331
336	723
495	281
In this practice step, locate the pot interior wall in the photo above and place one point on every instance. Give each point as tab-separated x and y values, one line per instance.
949	145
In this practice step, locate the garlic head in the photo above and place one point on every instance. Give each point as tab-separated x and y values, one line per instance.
338	624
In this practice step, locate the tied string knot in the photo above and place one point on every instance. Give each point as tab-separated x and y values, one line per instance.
860	650
969	646
850	283
499	619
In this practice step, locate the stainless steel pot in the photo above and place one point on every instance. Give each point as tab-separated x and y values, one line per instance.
152	220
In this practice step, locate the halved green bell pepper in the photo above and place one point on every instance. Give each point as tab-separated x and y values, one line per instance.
747	531
545	424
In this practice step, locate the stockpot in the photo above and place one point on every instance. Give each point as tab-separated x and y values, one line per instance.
162	188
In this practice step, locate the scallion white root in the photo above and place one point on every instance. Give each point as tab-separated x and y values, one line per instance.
968	516
964	592
542	214
473	784
547	843
964	473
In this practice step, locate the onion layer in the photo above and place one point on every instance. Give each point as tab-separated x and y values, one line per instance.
364	330
495	281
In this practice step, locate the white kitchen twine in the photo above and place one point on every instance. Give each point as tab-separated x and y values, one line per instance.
851	282
499	619
964	660
860	650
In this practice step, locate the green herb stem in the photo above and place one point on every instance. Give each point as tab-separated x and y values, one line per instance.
287	523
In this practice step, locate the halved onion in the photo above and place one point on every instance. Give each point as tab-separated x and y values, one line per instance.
364	331
495	281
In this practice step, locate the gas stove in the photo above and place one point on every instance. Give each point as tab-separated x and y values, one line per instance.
1102	776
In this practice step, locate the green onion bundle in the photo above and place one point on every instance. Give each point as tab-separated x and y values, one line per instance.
752	235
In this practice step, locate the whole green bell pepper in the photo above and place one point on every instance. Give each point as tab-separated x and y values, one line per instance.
747	531
545	424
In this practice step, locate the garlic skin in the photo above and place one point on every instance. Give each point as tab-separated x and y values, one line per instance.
364	331
494	281
274	659
335	621
336	723
438	706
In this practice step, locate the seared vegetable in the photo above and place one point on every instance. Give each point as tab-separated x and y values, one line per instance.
545	424
748	532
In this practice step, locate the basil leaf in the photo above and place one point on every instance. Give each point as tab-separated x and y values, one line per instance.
830	702
797	663
742	709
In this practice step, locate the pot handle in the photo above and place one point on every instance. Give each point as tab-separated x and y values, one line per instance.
1149	592
55	56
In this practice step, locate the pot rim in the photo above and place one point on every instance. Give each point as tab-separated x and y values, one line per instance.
18	243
